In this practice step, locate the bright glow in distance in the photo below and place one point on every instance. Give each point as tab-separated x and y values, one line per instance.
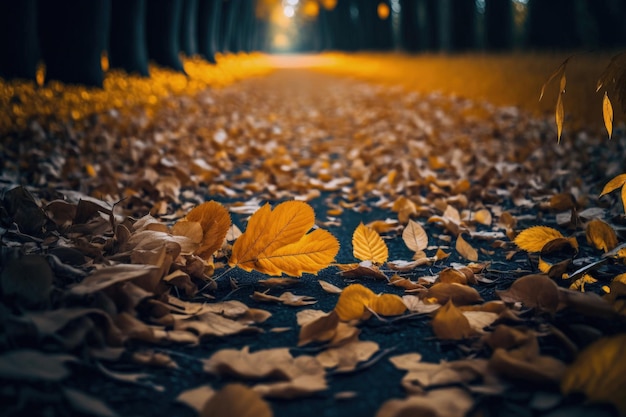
292	2
289	11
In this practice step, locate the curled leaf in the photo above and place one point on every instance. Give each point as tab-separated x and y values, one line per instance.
601	235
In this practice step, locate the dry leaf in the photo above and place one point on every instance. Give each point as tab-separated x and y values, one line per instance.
614	184
286	298
417	305
316	326
447	402
361	270
601	235
368	245
559	114
236	400
276	242
465	249
28	280
483	216
535	238
415	236
33	365
458	293
519	365
534	291
345	358
599	372
147	275
87	404
329	288
450	323
197	397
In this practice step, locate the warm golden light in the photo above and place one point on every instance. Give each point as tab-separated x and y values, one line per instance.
383	11
329	4
311	9
281	41
104	61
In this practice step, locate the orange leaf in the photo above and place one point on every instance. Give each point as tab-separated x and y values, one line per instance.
415	236
215	222
607	114
535	238
352	302
601	235
388	305
450	323
483	216
614	184
534	291
368	245
276	242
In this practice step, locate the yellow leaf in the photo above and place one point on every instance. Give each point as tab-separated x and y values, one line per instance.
355	298
607	114
599	371
601	235
313	252
415	236
368	245
352	302
534	238
465	249
450	323
388	305
483	216
215	222
559	116
276	242
614	184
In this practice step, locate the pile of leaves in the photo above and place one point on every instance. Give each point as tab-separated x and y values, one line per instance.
133	247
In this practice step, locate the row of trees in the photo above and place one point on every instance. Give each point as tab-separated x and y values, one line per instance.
69	36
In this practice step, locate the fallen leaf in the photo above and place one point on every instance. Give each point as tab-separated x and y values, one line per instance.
345	358
215	222
599	372
415	236
465	249
365	269
28	280
368	245
105	277
275	242
447	402
286	298
535	238
534	291
196	397
483	216
236	400
355	300
459	294
416	305
449	323
87	404
601	235
538	369
33	365
329	288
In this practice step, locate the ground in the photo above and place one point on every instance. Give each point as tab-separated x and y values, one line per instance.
354	150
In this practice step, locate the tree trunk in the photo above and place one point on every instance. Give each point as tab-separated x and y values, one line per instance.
552	24
127	40
163	28
18	22
73	34
498	25
209	28
189	28
462	25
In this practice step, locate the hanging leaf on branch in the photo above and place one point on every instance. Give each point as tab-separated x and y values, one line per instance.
277	241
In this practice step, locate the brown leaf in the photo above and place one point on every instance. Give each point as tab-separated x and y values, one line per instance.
534	291
449	323
196	397
28	280
236	400
459	294
286	298
87	404
415	236
103	278
329	288
446	402
465	249
539	369
345	358
33	365
364	269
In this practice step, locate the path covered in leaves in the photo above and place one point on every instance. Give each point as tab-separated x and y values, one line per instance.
118	297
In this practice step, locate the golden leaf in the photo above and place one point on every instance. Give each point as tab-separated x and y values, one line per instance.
601	235
600	372
215	222
450	323
534	238
355	298
276	242
415	236
607	114
559	115
483	216
236	400
368	245
465	249
614	184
